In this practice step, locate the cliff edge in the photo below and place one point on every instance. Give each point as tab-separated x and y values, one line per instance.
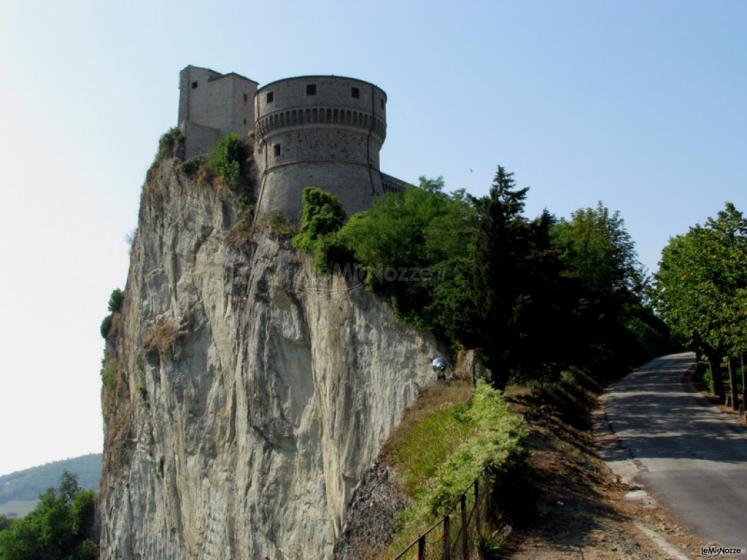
249	396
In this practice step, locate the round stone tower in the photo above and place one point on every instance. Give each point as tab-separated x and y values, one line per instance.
318	131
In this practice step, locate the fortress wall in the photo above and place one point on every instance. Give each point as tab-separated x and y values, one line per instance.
319	143
350	183
198	139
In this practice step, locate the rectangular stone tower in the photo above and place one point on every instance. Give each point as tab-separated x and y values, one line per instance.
211	105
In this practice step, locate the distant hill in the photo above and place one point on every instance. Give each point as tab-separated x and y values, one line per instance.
19	490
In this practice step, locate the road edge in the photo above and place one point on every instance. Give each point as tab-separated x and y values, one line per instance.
620	461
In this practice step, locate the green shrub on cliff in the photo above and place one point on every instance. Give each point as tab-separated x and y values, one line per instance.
114	305
115	300
227	159
322	216
170	143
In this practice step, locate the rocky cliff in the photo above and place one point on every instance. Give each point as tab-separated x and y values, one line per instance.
249	397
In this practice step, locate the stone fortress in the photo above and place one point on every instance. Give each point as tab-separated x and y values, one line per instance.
322	131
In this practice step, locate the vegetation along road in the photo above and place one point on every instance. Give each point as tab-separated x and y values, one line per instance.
689	455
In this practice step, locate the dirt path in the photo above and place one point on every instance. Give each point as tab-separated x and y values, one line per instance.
580	508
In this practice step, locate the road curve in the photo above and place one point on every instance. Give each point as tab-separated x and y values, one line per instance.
689	455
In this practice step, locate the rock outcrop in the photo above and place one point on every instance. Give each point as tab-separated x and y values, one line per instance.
251	395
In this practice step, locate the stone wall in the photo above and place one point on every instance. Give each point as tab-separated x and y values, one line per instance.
208	99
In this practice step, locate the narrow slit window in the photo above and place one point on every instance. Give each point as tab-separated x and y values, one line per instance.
310	89
246	98
276	150
382	103
270	96
355	92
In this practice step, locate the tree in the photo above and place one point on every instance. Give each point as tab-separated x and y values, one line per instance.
59	526
499	272
416	249
700	291
604	285
599	252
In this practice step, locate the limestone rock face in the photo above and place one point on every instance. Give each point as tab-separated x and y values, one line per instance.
251	395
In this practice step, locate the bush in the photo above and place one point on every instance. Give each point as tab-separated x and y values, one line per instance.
241	232
193	165
106	326
170	144
108	372
322	215
321	218
279	225
228	157
115	300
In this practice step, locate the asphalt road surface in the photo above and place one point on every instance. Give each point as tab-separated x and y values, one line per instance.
690	456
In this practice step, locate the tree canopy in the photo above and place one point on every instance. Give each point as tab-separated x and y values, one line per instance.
59	527
535	294
701	287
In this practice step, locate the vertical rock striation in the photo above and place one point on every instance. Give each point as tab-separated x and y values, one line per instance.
251	396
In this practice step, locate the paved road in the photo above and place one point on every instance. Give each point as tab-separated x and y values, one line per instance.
690	456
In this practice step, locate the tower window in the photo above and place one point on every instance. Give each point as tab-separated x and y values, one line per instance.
246	98
382	103
310	89
244	121
276	150
355	92
194	85
270	97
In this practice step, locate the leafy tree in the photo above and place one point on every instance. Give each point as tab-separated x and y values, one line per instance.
58	528
598	251
416	248
604	288
700	290
503	261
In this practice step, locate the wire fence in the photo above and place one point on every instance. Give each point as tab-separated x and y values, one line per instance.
458	534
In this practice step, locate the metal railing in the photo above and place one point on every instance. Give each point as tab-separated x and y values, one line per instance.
456	535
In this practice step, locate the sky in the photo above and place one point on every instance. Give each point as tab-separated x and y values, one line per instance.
638	104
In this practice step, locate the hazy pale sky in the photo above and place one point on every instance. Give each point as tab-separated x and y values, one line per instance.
640	104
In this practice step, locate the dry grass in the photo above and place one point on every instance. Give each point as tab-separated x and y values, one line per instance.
435	399
278	226
162	337
241	233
